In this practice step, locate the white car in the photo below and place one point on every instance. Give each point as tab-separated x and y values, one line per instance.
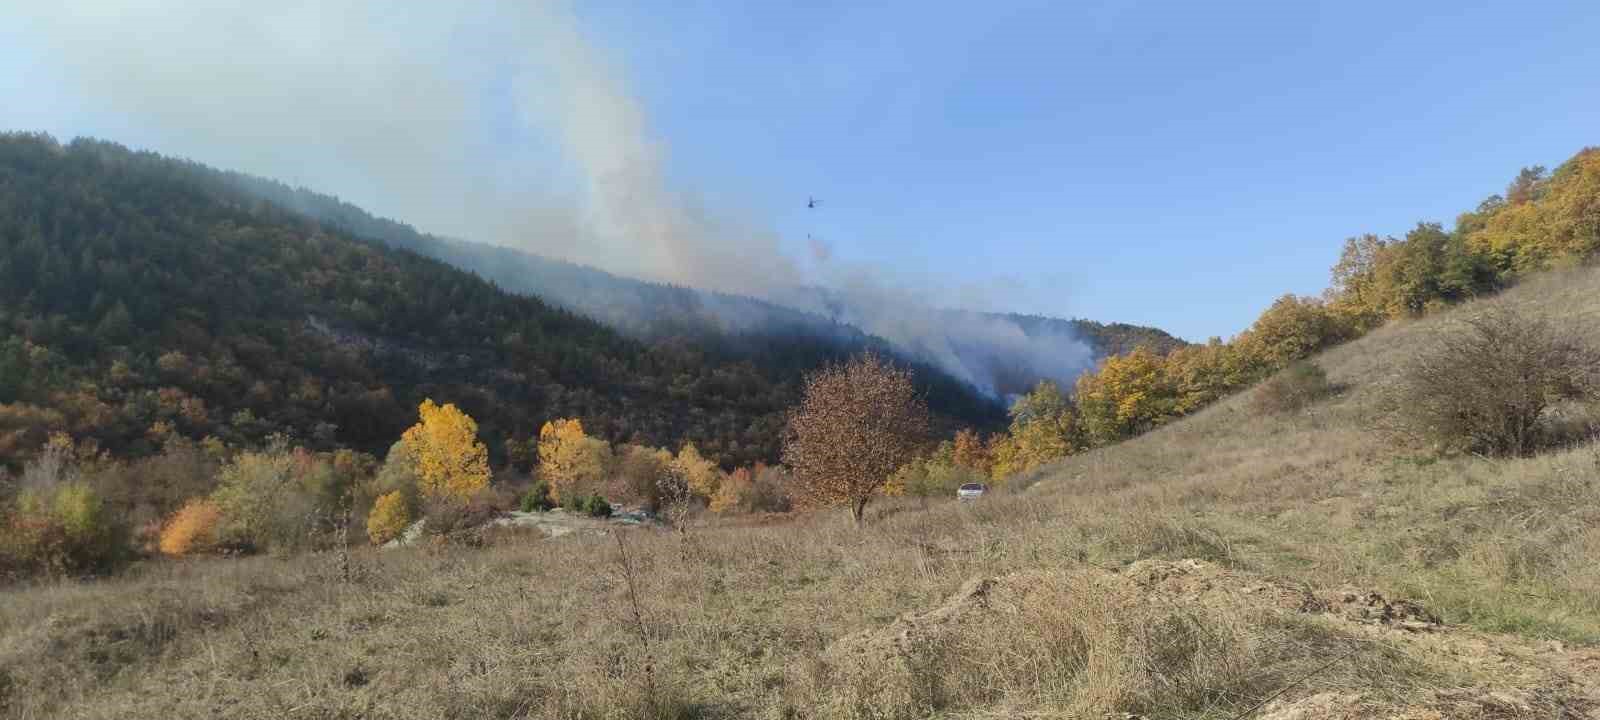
971	491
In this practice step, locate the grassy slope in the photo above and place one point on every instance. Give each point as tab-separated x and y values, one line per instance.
779	620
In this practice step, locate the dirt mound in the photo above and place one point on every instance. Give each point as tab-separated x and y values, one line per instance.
1197	580
897	640
1371	607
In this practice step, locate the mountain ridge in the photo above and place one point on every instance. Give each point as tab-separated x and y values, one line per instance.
138	293
653	310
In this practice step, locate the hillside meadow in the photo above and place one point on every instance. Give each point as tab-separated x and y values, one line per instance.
1233	563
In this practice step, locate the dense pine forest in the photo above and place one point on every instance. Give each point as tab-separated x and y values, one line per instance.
137	290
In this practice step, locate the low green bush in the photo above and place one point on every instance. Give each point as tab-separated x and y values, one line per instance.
63	530
537	498
596	506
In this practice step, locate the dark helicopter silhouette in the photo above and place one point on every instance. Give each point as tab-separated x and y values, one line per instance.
811	203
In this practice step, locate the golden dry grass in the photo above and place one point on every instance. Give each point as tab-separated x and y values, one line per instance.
813	618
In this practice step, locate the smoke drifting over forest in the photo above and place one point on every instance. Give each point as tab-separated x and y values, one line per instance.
498	123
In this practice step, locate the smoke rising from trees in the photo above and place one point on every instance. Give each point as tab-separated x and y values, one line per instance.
500	123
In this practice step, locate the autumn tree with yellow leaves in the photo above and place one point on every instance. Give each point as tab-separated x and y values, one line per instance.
1127	395
570	461
451	463
1293	328
732	491
1044	427
702	476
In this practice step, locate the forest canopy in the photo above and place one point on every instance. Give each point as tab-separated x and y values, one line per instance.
136	290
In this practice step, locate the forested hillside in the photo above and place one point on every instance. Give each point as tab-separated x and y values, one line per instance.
767	333
137	290
1545	220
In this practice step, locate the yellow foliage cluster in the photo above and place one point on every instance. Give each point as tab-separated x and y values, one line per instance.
1128	394
702	475
192	529
450	461
731	492
1542	222
1133	392
573	463
389	518
1044	426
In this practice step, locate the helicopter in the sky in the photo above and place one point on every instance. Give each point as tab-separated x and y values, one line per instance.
811	202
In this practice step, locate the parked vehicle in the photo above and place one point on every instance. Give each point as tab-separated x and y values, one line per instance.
971	491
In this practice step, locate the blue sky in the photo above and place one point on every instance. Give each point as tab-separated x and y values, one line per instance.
1175	164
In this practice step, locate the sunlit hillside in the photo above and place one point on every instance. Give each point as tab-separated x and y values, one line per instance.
1234	562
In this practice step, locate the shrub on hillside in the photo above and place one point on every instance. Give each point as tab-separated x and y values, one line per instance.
151	489
597	506
763	489
58	522
264	504
192	529
1293	388
731	492
537	498
1489	387
638	475
770	492
65	530
447	515
389	518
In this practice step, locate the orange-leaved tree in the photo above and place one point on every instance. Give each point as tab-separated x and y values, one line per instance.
855	425
451	463
192	529
970	451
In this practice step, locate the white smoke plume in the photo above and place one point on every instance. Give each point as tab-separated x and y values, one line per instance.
403	109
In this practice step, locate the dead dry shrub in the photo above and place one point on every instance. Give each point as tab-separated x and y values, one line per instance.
447	516
1291	389
1490	386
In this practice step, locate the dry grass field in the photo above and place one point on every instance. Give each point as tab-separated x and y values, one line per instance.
1233	564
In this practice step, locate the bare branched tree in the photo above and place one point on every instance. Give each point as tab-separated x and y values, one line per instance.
856	424
677	506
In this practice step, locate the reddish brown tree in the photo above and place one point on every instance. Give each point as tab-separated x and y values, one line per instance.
855	425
